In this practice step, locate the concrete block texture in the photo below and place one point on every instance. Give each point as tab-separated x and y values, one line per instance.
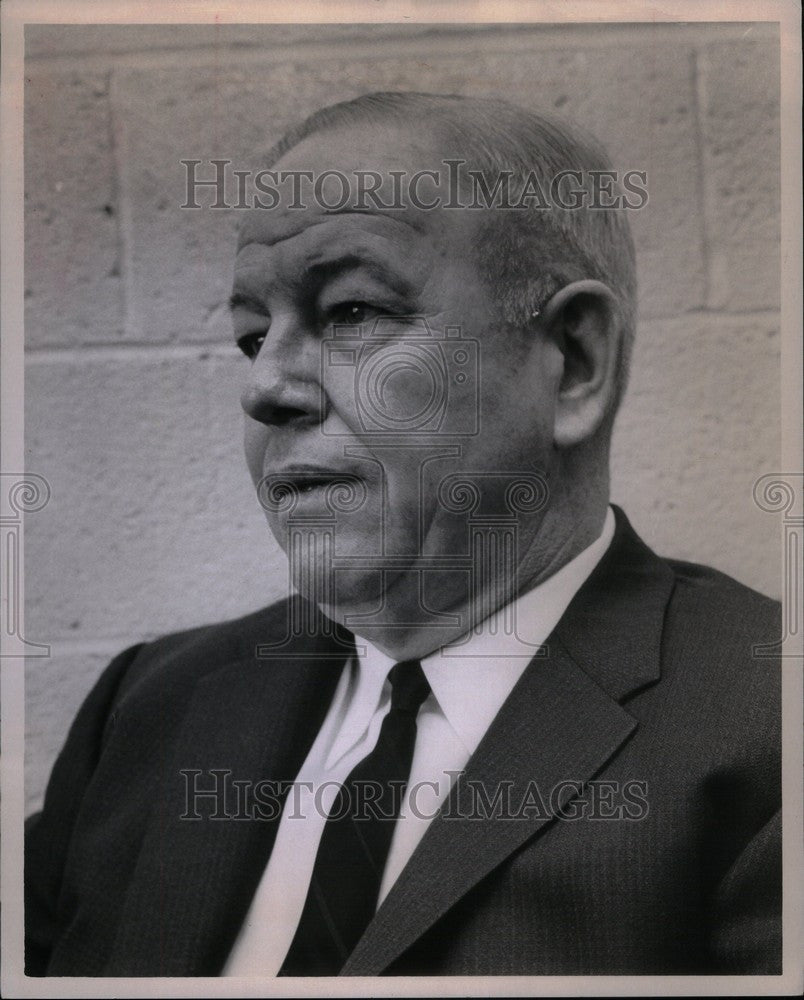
73	278
153	523
739	85
699	427
50	41
642	103
132	384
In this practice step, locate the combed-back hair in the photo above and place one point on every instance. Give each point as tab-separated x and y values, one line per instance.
525	256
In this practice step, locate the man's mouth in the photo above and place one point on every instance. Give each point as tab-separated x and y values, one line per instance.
340	490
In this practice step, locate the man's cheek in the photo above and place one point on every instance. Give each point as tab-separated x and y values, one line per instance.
254	449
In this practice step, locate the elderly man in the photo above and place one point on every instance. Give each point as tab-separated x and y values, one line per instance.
494	733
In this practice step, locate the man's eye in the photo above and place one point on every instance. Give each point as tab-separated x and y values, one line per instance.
250	344
352	312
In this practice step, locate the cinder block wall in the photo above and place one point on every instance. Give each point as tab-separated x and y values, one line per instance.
132	408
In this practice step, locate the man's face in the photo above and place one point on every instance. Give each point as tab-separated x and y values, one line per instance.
380	374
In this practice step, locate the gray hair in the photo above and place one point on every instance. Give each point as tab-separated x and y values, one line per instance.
525	257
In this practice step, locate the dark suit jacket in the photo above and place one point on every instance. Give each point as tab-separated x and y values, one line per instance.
649	678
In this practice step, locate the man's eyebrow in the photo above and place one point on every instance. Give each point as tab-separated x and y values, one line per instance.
333	266
327	268
399	218
243	300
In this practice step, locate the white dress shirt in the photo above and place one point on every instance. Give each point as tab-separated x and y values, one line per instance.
469	680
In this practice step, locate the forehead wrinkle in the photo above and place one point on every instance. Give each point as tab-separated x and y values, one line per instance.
382	256
310	252
280	237
286	230
380	214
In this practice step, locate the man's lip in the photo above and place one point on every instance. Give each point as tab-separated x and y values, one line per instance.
279	487
316	474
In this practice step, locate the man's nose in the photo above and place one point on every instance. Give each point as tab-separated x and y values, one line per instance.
283	385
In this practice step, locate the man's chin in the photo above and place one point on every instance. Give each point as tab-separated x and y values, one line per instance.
342	593
387	612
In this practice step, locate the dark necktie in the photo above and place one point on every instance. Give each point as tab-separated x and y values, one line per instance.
354	846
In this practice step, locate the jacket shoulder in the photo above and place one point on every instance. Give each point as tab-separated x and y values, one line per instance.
722	606
184	657
720	653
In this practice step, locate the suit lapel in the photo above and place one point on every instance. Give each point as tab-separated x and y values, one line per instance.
562	723
194	880
257	719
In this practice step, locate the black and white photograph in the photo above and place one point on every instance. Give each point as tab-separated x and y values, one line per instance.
402	499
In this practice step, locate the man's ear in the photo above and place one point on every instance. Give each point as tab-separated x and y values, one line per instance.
581	319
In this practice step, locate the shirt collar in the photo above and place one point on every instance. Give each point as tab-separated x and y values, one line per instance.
368	676
492	657
471	677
